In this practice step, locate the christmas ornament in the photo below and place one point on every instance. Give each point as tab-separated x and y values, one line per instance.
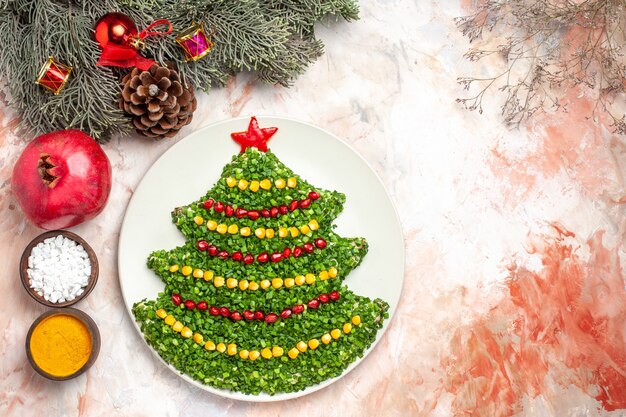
195	42
54	75
120	41
254	137
158	101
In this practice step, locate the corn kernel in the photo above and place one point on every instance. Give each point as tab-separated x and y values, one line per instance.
292	182
211	225
260	233
198	273
293	353
243	354
326	339
253	286
324	275
289	282
301	346
266	353
208	275
231	182
170	320
254	186
314	225
232	349
178	326
299	280
254	355
332	272
265	184
243	285
283	232
277	282
244	231
310	279
221	347
222	228
233	229
209	345
294	231
173	268
280	183
356	320
198	220
218	281
186	332
347	328
269	233
161	313
187	270
305	229
277	351
231	282
265	284
335	333
243	184
198	338
313	344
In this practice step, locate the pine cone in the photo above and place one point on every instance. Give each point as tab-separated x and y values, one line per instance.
158	101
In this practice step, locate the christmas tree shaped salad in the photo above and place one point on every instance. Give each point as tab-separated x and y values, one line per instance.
254	301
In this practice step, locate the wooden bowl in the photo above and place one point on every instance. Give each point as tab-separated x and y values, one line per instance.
93	278
93	331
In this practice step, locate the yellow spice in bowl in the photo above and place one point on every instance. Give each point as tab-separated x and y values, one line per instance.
60	345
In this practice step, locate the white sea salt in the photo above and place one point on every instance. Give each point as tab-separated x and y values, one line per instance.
58	269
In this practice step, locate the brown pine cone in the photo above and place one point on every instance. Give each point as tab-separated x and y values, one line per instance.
158	101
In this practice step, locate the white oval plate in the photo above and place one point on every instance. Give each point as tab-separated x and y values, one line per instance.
192	166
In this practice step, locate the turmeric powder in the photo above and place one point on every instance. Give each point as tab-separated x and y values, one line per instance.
60	345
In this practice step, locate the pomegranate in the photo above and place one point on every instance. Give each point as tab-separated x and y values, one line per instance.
62	179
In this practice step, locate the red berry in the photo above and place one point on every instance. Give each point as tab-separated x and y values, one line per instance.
190	304
177	299
313	195
263	257
209	203
271	318
222	254
308	247
283	209
218	207
214	311
305	203
274	211
202	305
276	257
253	215
237	256
320	243
293	205
212	250
297	251
224	312
297	309
259	315
202	245
323	298
286	253
248	259
229	211
314	303
265	213
235	315
285	313
240	213
248	315
334	295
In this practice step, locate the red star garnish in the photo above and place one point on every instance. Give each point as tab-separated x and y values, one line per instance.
254	137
